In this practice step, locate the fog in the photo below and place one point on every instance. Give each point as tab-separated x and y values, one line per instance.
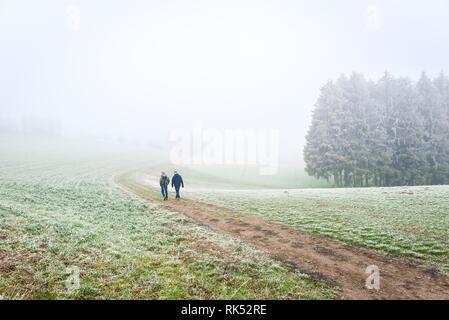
141	69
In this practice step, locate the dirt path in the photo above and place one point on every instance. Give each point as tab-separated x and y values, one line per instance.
341	265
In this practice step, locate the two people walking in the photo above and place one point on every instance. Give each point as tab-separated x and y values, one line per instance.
176	182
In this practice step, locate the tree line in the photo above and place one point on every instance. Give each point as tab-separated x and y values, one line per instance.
393	132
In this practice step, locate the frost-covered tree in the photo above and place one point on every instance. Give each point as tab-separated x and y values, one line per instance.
388	133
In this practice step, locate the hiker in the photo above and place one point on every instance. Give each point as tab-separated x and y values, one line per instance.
177	182
164	181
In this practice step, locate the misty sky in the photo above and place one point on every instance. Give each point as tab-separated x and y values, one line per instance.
138	68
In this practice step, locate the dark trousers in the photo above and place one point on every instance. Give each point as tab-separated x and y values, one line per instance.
177	188
164	191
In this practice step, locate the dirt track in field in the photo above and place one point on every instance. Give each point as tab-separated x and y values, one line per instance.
341	265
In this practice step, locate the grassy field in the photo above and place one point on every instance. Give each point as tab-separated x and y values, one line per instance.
59	208
411	222
232	177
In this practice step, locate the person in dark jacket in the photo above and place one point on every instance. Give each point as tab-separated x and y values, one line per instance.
164	181
177	182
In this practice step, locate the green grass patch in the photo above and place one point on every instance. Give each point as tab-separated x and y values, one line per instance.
411	222
59	208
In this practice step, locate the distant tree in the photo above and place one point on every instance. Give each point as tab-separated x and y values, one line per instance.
322	153
356	147
438	146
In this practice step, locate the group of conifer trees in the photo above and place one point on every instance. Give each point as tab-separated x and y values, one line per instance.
393	132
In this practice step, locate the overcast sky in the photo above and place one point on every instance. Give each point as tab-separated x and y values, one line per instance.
138	68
